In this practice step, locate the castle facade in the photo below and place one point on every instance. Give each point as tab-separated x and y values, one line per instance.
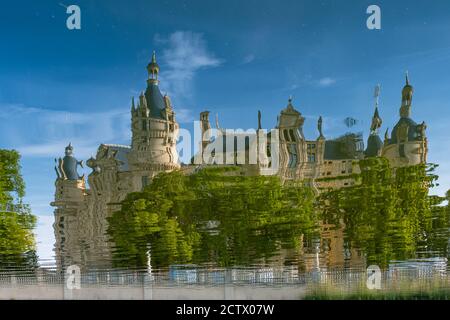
81	212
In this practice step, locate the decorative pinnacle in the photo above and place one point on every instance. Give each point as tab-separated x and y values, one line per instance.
407	78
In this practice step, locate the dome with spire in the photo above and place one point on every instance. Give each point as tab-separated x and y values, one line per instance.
406	129
154	99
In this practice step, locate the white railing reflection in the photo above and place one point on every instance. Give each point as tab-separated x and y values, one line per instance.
190	276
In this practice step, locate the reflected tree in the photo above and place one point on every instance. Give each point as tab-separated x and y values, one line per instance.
215	216
17	243
388	213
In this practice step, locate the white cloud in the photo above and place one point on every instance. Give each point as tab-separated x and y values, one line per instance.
57	149
38	132
184	115
326	82
186	53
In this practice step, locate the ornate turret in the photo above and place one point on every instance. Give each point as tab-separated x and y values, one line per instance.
406	129
154	129
408	143
66	168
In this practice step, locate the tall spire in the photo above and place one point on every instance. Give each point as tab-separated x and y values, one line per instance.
376	122
376	119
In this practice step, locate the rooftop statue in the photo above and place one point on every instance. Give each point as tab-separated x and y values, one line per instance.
66	168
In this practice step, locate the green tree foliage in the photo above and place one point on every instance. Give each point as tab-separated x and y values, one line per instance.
214	215
17	244
388	213
11	182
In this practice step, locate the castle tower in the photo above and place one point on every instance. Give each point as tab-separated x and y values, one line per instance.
154	131
69	199
408	143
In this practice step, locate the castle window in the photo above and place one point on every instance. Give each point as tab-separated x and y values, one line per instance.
144	125
311	152
286	135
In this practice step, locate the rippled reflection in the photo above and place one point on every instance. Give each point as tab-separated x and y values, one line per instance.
215	219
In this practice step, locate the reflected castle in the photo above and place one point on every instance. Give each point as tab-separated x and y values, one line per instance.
81	212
